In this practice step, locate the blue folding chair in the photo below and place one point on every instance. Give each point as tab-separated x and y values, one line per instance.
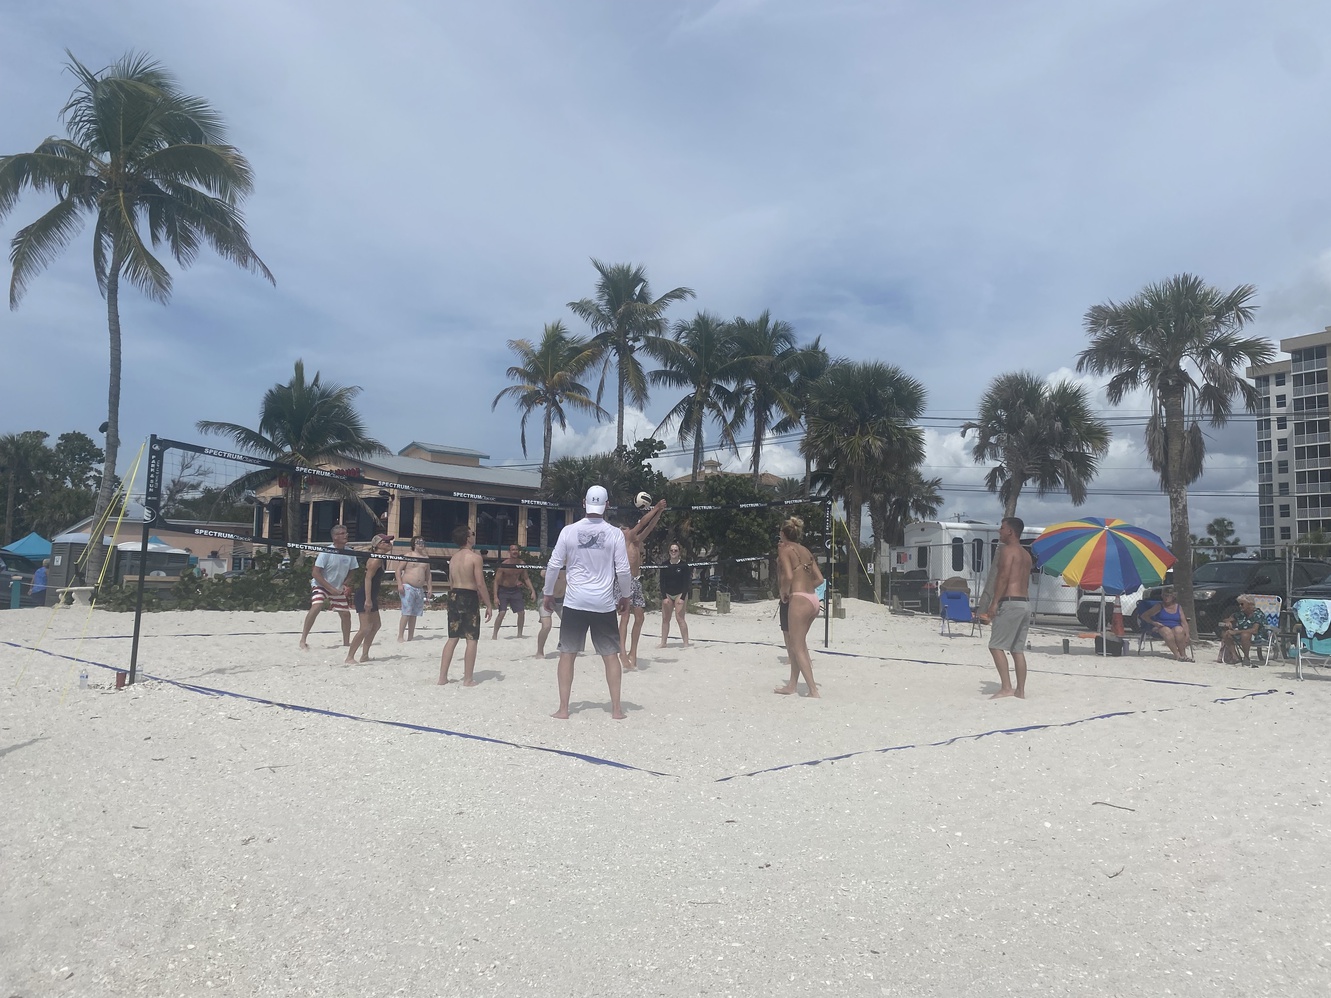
1145	630
955	606
1314	650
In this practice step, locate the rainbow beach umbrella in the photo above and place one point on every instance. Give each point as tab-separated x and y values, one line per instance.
1107	554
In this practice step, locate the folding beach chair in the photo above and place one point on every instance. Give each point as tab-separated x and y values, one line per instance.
956	606
1315	638
1145	632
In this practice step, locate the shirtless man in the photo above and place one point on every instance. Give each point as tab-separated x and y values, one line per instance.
510	576
548	616
1009	612
466	589
637	604
415	588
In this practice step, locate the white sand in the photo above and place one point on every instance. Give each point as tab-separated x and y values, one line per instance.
158	841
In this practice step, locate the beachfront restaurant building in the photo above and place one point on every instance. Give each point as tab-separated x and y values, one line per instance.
493	501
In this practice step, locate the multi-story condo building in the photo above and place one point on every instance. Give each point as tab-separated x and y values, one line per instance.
1294	443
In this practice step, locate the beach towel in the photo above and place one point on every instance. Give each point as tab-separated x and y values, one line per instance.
1314	615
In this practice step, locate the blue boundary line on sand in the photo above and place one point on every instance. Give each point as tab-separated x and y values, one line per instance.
301	708
982	734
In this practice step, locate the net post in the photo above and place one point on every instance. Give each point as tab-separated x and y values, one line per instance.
152	508
830	543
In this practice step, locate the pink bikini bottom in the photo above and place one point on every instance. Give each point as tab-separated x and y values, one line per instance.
811	597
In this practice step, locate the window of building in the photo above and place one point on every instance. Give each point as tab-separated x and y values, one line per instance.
496	525
438	517
1284	533
1282	467
1280	379
1284	510
1280	401
1284	489
555	520
1282	444
958	555
1281	422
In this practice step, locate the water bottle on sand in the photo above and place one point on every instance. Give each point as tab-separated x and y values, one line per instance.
83	679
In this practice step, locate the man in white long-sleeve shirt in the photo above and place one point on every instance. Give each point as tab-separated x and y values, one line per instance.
593	555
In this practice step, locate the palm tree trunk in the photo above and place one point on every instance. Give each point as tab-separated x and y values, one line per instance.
1176	488
757	453
96	547
853	505
619	378
545	472
697	455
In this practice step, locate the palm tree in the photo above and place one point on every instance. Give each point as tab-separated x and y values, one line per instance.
22	456
767	361
898	497
302	423
141	157
1178	339
811	363
859	424
547	378
1220	535
1040	433
621	315
699	357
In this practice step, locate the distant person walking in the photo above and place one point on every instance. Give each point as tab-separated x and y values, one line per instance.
38	592
800	578
510	578
676	579
593	555
367	599
328	586
466	589
1009	610
415	588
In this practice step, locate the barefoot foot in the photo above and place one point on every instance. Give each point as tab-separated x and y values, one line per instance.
469	682
561	715
786	690
618	715
1003	693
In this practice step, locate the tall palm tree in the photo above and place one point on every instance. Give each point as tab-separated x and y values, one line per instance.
22	456
897	497
621	315
700	357
767	361
547	379
141	157
859	422
303	423
1038	433
810	365
1178	339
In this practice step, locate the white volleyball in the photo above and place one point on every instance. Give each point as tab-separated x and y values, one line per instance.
644	501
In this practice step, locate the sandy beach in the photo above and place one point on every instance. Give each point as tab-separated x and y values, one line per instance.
253	820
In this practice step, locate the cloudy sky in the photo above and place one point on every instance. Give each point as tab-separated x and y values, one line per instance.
943	186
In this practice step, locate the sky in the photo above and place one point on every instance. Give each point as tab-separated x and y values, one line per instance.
946	187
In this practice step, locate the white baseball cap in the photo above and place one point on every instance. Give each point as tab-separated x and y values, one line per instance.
596	500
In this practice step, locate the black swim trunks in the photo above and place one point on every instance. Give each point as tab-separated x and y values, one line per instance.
464	614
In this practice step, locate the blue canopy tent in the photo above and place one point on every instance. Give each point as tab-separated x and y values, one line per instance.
34	547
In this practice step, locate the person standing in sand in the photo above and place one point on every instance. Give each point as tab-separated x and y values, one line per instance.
800	578
328	586
510	576
1009	611
593	554
367	599
637	604
676	578
415	587
548	616
466	589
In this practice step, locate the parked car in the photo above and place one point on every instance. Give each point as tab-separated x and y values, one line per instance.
1088	607
1318	590
1217	585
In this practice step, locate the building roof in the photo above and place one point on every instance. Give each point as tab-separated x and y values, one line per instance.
445	449
415	467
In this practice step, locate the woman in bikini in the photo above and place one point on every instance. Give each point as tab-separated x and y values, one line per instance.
367	599
800	577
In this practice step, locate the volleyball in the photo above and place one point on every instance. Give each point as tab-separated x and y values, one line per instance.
644	501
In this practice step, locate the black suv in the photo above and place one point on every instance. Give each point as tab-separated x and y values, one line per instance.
1217	585
7	577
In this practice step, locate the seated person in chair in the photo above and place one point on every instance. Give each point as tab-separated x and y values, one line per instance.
1239	630
1167	620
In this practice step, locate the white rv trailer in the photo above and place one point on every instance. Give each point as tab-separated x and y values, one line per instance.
944	549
